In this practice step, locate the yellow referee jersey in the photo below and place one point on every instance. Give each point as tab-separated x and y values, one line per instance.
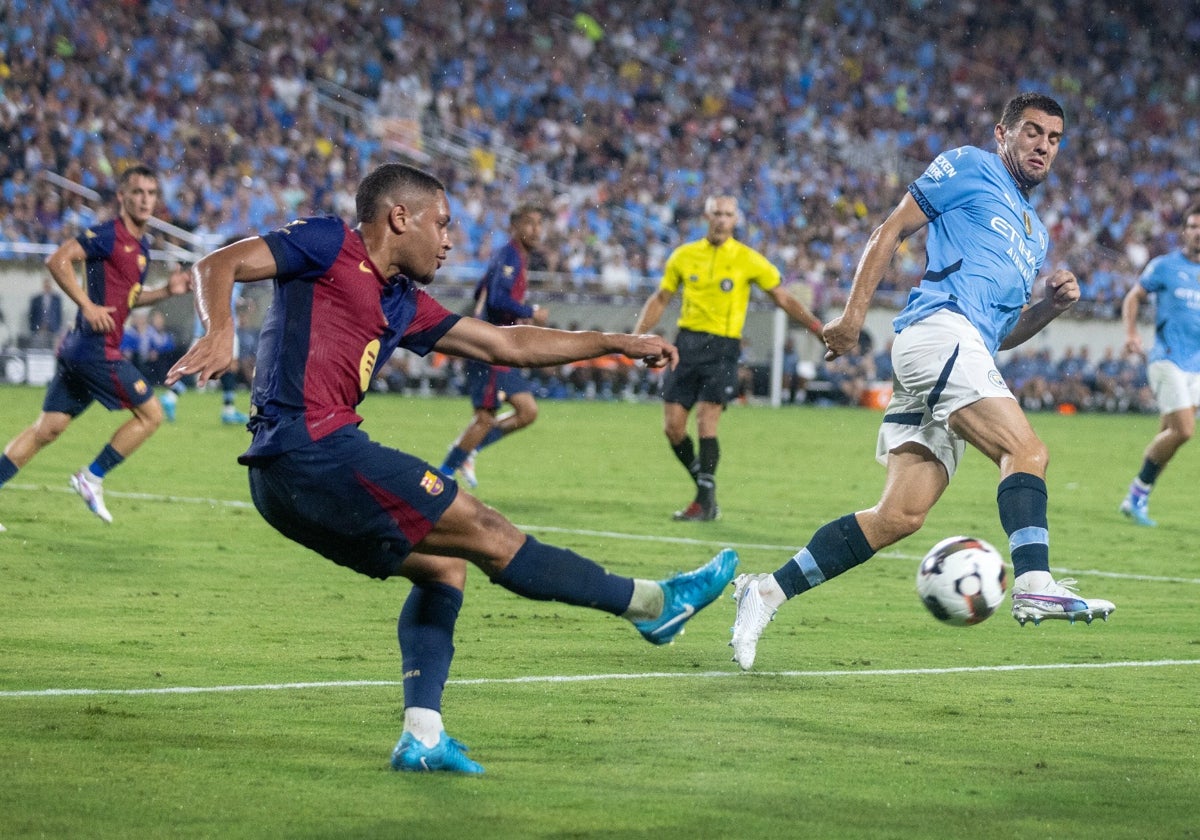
716	282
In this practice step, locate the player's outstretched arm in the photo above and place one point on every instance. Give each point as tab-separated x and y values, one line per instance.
527	346
212	280
841	334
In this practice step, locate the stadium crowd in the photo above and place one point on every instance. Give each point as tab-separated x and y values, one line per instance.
816	114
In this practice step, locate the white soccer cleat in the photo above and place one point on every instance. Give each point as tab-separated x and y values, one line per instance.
753	616
1035	600
468	471
92	493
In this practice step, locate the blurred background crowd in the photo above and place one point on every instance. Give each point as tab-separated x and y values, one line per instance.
618	117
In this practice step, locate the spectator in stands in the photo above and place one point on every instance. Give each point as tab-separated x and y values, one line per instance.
45	316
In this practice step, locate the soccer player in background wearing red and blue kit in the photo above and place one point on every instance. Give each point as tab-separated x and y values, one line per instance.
90	366
500	300
345	298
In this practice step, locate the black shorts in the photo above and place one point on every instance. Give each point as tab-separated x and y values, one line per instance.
707	370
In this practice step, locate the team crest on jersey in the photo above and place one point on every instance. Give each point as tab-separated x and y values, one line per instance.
508	271
135	292
432	483
726	284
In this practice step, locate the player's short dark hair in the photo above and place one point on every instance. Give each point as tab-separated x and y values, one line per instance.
138	170
1194	210
1015	107
394	182
524	210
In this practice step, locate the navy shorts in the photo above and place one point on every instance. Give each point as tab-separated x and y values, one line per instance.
491	385
360	504
707	369
114	384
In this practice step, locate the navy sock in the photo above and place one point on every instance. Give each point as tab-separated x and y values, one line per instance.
546	573
228	386
108	459
494	434
835	548
7	469
1149	472
454	460
426	633
1022	501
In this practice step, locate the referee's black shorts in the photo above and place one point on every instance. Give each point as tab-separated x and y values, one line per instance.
707	370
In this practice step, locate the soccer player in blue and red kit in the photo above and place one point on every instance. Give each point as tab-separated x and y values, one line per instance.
90	366
984	249
345	298
500	300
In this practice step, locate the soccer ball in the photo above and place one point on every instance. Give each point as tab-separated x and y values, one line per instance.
962	580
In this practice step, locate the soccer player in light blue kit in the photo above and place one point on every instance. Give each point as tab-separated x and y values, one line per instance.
1174	360
985	248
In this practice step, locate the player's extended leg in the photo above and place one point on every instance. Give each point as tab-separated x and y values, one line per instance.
915	481
1175	429
998	428
521	564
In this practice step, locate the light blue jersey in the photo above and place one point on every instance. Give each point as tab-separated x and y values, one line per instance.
984	248
1174	280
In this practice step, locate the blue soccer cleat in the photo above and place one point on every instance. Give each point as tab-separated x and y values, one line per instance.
448	756
686	594
1138	510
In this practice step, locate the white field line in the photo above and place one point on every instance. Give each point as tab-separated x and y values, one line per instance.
576	678
613	535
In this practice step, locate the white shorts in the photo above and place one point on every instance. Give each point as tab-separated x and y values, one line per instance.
1174	388
940	365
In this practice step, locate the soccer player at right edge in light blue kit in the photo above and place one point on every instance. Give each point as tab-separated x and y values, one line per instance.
984	250
1174	361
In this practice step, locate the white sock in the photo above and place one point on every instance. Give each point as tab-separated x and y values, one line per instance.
647	601
424	724
771	592
1032	581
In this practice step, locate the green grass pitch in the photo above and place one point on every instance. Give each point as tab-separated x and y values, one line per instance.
188	672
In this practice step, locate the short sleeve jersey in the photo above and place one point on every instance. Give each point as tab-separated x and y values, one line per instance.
1174	280
985	244
502	287
716	282
324	332
115	268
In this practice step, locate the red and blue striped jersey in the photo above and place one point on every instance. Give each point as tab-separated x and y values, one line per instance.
325	331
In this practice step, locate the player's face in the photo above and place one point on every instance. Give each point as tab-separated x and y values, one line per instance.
428	240
528	231
1191	236
1029	147
138	198
722	218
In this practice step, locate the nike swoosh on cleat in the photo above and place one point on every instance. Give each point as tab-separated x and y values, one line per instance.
688	612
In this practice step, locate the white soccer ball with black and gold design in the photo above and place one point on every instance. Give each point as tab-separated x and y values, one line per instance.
962	580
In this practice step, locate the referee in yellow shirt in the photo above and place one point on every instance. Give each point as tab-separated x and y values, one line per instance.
716	274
